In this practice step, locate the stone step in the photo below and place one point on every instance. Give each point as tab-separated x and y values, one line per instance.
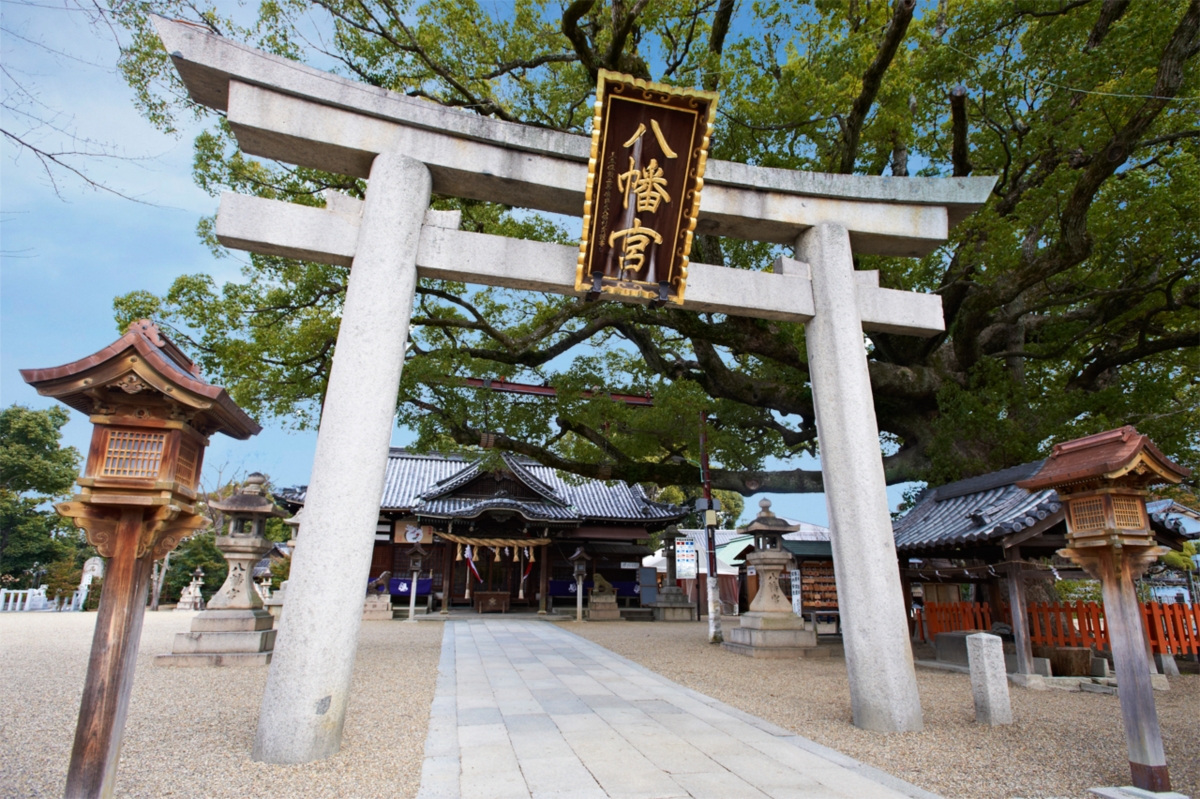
637	614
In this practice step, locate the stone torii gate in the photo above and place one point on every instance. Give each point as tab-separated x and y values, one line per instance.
408	148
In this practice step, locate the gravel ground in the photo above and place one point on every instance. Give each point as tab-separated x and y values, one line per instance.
190	730
1059	745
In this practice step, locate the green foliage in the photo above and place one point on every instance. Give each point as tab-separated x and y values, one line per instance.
32	461
1181	561
34	470
199	551
1079	591
62	578
281	570
732	505
1071	298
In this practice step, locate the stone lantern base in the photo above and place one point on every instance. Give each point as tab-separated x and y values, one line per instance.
224	638
771	629
773	635
673	605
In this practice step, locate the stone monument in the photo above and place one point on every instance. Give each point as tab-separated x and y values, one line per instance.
770	629
602	601
190	598
235	630
378	604
672	604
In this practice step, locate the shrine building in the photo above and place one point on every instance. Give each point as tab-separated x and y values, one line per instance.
506	534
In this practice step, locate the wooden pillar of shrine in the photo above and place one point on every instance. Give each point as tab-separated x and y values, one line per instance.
544	582
1020	616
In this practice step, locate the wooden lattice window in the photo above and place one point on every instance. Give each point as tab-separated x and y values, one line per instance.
133	454
1087	514
185	470
1128	512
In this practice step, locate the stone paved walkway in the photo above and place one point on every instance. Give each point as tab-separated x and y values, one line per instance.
527	709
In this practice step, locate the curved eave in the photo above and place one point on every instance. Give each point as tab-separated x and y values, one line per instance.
65	383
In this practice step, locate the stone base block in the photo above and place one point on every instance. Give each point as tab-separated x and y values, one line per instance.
377	607
952	647
224	643
212	659
758	620
1100	668
777	652
773	643
664	612
1034	682
1167	665
1130	792
232	621
603	609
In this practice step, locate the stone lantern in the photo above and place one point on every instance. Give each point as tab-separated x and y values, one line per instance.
152	416
770	629
234	629
1102	480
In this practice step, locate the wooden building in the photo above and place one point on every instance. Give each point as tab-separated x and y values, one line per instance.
516	526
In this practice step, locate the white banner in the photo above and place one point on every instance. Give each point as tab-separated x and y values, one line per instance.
797	607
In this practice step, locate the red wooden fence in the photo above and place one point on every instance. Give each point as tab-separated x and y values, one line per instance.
1173	628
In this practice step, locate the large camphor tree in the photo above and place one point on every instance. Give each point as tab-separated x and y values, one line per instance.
1070	298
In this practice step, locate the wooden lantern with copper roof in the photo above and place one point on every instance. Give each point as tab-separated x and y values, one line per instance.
152	415
1103	481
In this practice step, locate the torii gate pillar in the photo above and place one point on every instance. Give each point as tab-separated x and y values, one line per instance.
308	686
883	683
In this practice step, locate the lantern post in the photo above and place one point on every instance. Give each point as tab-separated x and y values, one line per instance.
1102	480
579	561
152	416
415	562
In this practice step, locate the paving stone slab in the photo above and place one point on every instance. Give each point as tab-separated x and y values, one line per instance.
528	709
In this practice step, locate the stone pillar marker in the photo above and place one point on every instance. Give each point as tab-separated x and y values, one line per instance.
308	686
989	680
883	681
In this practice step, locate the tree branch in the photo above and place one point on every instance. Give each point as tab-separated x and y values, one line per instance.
871	81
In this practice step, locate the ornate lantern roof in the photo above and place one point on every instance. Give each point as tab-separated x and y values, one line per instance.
1123	455
1103	479
143	367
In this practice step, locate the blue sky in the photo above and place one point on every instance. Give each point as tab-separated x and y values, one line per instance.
65	256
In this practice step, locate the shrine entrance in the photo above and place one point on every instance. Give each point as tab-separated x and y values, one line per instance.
409	148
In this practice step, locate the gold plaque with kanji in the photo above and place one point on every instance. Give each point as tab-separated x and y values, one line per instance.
649	150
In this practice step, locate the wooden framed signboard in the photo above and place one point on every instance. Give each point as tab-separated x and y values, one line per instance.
645	173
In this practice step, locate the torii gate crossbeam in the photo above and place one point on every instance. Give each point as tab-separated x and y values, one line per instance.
410	148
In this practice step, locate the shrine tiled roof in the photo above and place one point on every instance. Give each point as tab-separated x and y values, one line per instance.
421	484
990	506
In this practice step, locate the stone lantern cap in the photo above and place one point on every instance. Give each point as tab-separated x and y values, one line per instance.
251	499
1123	454
145	363
767	522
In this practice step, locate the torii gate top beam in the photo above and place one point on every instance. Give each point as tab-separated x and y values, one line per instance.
287	111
